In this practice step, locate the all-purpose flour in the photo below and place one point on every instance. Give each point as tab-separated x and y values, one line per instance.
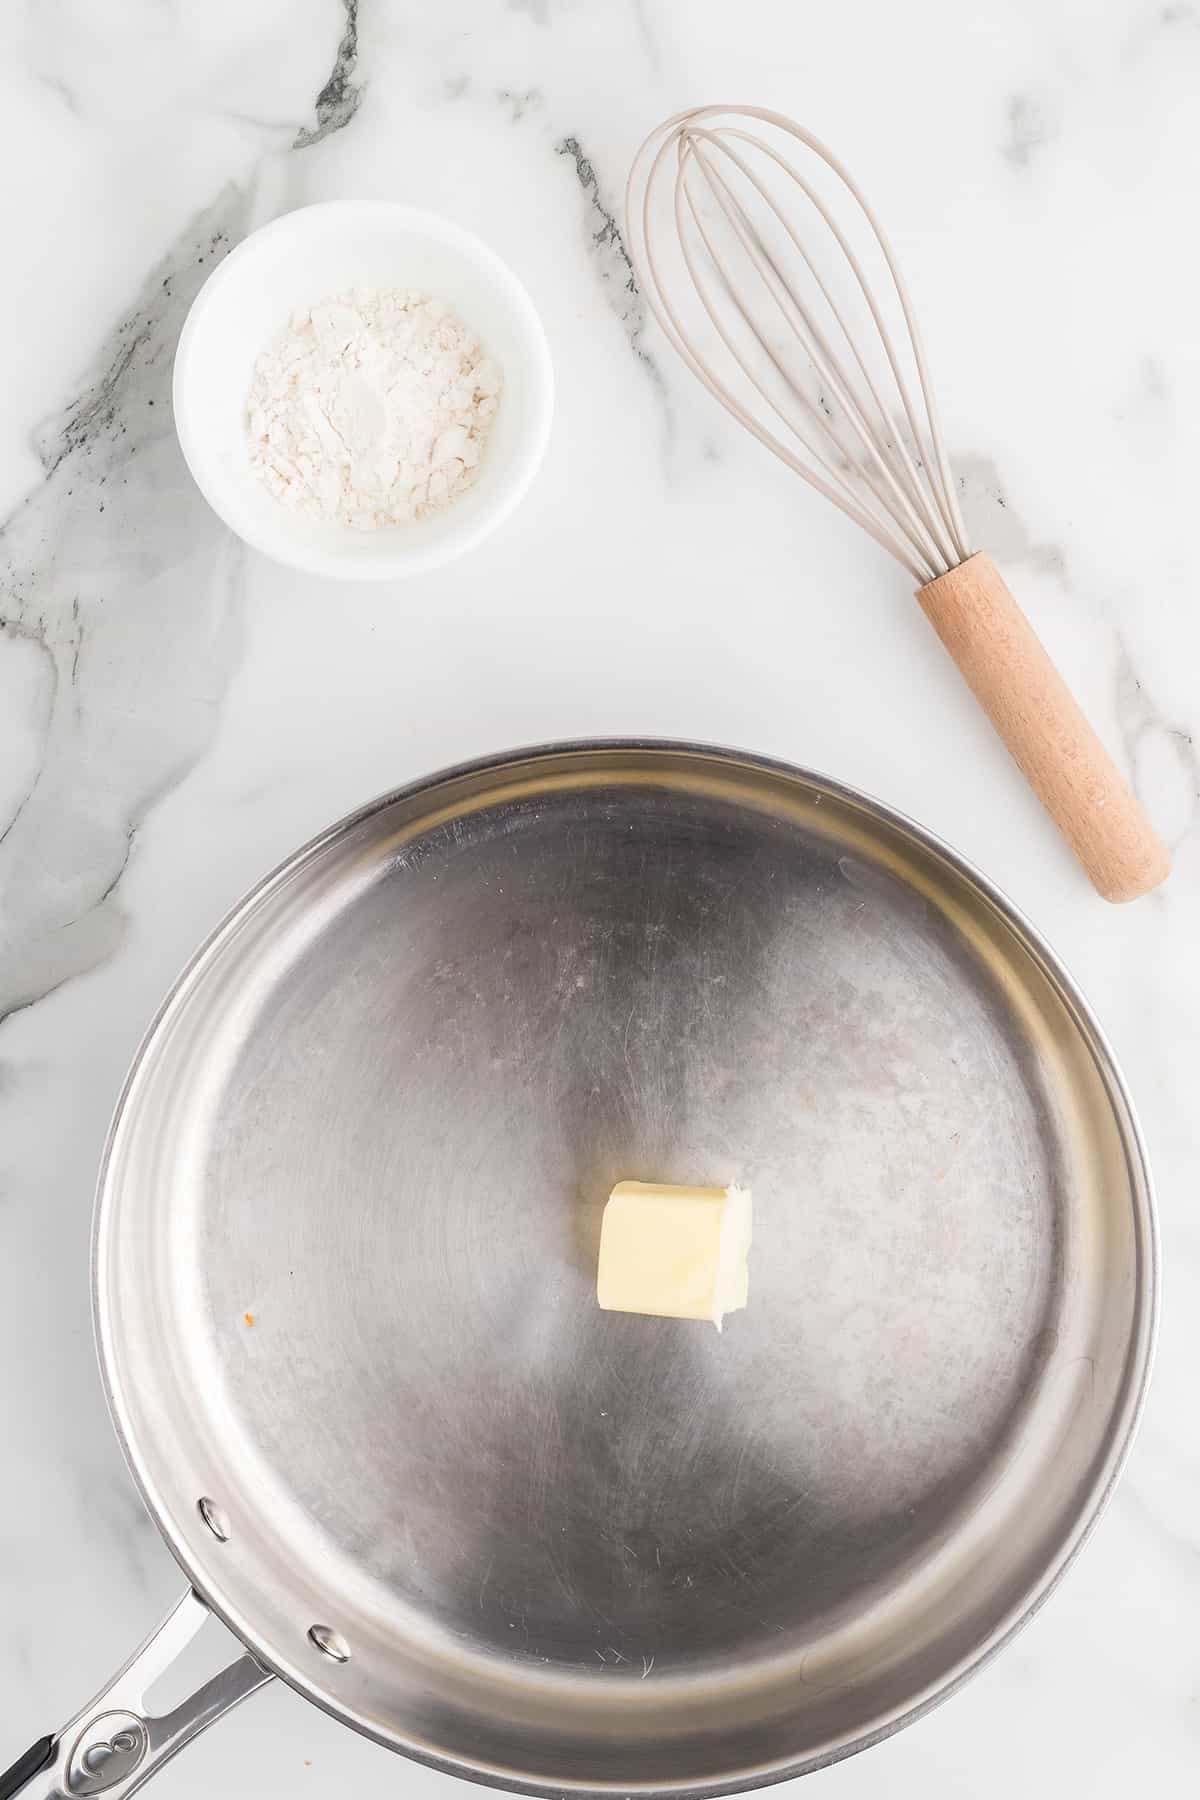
371	408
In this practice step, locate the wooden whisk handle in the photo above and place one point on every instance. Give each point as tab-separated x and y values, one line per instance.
1031	707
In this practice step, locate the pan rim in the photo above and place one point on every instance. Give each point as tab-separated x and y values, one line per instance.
1143	1338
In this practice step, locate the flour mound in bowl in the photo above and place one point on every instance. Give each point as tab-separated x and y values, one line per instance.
371	408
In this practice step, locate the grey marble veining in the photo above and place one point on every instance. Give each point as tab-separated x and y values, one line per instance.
606	247
339	99
135	668
158	621
1032	126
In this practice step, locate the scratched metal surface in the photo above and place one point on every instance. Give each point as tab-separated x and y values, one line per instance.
570	1549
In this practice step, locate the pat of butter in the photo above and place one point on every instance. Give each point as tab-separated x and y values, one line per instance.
675	1252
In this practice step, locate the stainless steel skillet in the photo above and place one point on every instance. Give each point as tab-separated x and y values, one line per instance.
344	1280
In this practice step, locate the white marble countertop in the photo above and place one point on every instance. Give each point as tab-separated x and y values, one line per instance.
176	714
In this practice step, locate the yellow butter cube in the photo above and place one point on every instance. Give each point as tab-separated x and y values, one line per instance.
675	1252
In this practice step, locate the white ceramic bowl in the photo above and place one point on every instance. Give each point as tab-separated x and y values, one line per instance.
304	257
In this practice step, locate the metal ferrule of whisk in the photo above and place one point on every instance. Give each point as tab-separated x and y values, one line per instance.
764	265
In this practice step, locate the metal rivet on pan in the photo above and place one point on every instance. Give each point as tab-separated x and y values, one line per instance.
329	1642
214	1518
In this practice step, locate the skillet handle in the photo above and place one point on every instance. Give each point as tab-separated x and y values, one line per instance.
114	1744
25	1768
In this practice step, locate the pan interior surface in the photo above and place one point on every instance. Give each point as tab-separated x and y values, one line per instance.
346	1259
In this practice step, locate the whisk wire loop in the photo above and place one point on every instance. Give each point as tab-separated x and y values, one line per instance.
865	442
900	494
